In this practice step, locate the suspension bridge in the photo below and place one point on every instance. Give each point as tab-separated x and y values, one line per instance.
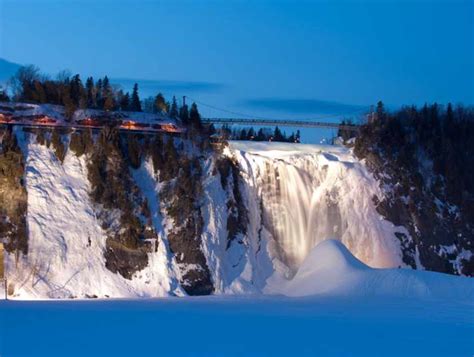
237	119
275	122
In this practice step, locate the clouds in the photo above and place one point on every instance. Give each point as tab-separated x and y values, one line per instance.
168	87
303	106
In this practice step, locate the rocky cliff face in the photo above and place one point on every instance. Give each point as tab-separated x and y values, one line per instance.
106	214
118	215
422	190
13	195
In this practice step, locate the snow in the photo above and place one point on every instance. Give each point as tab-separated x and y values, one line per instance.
310	193
325	184
236	326
57	112
330	303
61	218
330	269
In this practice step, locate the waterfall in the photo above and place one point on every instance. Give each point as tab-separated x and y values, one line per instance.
310	193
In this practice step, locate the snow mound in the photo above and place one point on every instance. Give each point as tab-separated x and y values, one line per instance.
332	270
330	255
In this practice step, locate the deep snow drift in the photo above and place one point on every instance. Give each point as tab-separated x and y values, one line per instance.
330	269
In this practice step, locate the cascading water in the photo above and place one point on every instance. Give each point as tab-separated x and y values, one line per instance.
311	193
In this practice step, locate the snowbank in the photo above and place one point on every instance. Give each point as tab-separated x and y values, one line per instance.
331	269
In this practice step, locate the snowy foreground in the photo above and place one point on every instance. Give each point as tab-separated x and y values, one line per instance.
252	325
350	309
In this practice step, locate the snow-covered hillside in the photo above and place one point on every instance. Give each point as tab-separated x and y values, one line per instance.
295	197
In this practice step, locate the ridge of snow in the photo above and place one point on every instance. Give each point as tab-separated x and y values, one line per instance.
330	269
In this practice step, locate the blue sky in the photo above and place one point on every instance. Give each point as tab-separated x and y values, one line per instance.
257	56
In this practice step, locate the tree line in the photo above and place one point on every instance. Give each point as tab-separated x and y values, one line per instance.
262	134
31	86
443	135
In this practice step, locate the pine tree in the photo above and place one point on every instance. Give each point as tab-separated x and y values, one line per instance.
277	135
184	114
69	105
125	102
195	117
160	104
380	111
76	89
174	108
107	95
135	105
98	91
109	102
105	86
250	134
91	93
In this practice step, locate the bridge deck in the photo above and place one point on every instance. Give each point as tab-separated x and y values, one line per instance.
267	122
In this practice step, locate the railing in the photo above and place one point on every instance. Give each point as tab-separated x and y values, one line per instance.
294	123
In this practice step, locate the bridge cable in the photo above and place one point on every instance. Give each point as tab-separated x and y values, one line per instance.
273	119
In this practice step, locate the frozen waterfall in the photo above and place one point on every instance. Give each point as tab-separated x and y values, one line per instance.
309	193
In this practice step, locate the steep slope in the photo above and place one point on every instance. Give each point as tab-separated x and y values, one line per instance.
423	160
66	241
71	236
134	216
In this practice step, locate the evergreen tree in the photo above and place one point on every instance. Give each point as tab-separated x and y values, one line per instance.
105	87
109	102
277	135
91	93
69	105
107	95
98	91
194	116
160	104
251	134
76	89
184	114
174	108
260	135
125	102
135	105
380	111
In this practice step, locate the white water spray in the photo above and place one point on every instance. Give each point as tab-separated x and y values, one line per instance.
311	193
